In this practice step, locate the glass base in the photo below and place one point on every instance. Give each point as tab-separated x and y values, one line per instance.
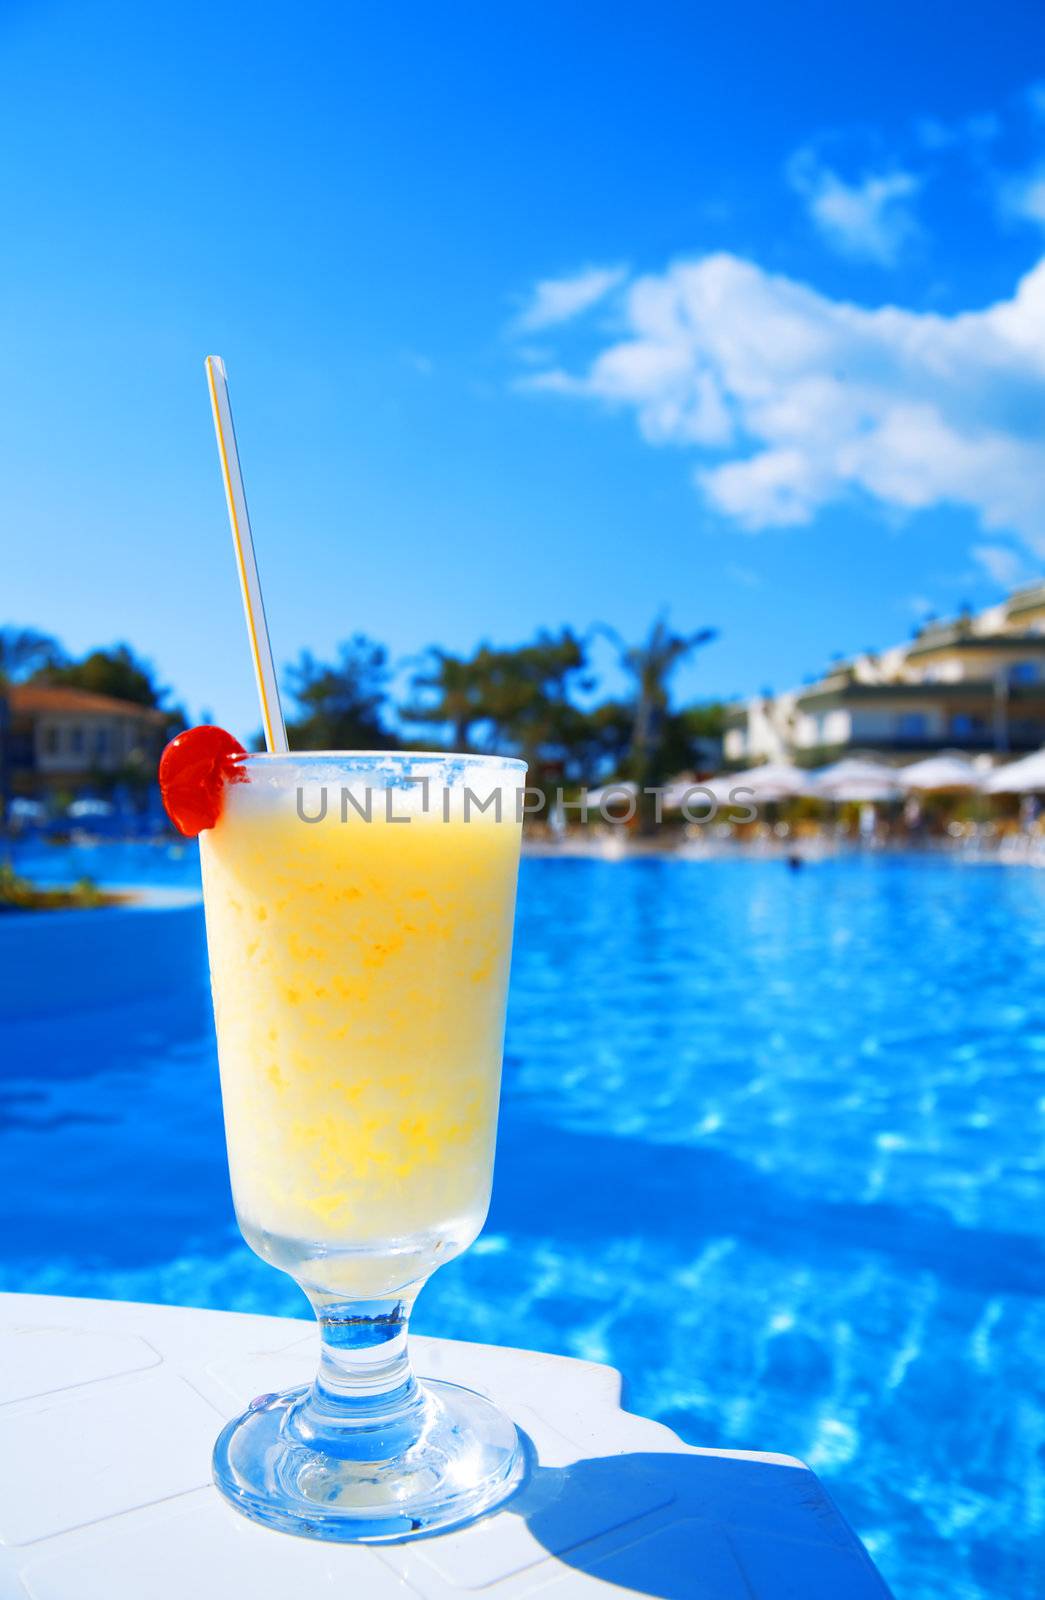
276	1467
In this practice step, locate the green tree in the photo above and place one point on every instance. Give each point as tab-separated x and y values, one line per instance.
117	672
515	700
528	693
122	675
448	691
26	651
601	740
341	705
651	666
692	737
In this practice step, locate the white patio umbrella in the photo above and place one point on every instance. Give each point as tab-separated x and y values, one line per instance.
856	779
615	793
865	793
941	775
696	795
777	780
679	792
1019	777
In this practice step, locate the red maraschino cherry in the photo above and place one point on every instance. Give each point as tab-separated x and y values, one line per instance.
194	769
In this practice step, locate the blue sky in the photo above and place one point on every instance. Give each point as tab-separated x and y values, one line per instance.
531	316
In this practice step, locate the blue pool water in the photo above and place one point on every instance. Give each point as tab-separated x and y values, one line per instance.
772	1144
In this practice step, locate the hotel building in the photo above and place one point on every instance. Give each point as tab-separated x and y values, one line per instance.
54	739
975	684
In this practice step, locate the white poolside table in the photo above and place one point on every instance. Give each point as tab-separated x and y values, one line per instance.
109	1410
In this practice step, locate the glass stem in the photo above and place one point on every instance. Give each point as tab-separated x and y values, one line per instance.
365	1403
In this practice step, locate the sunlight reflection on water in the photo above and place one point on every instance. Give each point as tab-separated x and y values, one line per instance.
771	1144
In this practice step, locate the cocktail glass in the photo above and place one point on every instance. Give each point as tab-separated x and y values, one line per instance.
359	923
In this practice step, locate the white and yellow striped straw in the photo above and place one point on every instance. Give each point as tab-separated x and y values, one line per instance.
246	565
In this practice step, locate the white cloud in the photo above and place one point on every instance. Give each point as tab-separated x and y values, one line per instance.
1006	566
1035	97
871	219
796	401
534	355
556	300
972	132
745	575
1023	196
1020	194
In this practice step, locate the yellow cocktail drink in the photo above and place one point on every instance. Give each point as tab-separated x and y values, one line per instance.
359	922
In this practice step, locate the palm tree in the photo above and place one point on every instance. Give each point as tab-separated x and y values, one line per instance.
651	666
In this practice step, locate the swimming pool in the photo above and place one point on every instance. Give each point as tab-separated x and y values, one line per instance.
772	1144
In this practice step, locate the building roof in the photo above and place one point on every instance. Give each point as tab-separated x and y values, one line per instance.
40	699
1029	598
832	693
952	637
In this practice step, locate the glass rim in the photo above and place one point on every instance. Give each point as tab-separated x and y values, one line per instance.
393	757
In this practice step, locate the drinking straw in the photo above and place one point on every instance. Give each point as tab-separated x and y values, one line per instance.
246	565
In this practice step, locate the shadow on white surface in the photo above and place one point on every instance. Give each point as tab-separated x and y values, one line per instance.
731	1529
